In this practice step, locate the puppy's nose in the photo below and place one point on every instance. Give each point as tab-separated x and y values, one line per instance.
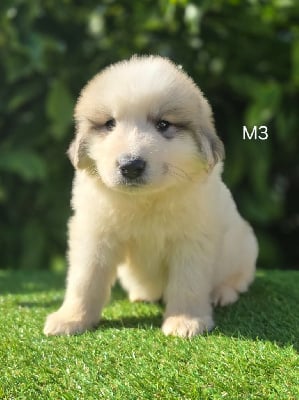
131	167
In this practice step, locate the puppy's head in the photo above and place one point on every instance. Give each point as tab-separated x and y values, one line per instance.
144	124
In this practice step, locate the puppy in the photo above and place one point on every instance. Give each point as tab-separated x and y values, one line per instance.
149	203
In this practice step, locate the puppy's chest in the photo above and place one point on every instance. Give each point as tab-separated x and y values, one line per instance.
147	235
147	251
154	229
149	229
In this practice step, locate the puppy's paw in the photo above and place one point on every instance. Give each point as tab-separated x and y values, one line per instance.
224	295
59	323
186	327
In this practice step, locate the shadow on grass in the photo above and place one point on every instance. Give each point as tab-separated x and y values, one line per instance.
41	304
131	323
128	321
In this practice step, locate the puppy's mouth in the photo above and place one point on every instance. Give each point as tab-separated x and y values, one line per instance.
131	185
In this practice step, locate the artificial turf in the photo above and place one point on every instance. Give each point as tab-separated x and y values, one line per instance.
252	354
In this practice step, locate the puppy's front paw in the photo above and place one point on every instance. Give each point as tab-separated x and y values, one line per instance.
184	326
59	323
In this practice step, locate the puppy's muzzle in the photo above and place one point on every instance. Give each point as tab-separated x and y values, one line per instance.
130	167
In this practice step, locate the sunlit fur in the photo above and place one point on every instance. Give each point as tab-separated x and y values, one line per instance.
176	234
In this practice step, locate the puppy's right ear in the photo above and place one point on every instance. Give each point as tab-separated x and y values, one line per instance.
77	153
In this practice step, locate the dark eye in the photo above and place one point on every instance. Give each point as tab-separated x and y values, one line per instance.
162	125
110	124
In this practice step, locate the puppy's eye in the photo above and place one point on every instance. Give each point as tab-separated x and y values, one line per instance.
162	125
110	124
100	127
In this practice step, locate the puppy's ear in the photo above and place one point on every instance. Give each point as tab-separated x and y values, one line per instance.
211	145
77	153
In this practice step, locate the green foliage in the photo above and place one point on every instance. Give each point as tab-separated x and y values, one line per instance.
252	354
243	54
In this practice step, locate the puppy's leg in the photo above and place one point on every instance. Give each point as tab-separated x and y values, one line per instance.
92	269
188	309
142	284
236	265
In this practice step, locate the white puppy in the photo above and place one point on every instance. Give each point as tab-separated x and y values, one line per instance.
149	203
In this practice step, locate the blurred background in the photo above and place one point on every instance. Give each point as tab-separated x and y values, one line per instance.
244	54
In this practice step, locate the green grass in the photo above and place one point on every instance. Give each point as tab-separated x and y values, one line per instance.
252	354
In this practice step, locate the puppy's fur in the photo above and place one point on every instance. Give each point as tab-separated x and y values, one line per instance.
149	203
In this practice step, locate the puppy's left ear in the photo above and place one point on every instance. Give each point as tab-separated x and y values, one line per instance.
211	145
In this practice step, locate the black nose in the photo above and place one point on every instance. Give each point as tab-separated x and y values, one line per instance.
131	167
